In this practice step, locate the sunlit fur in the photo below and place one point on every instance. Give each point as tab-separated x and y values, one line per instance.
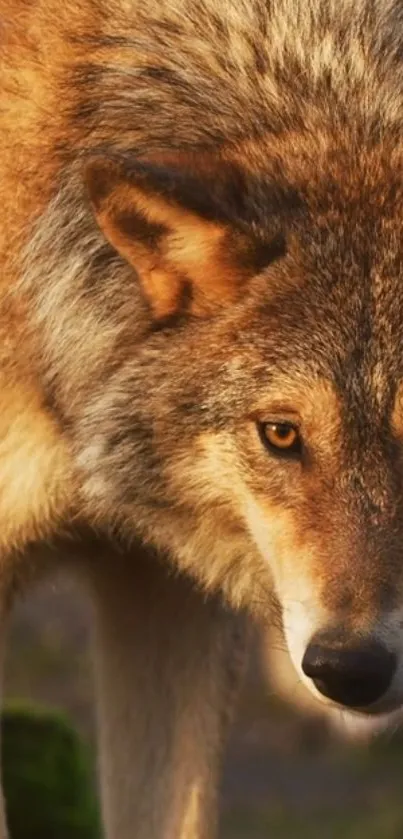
201	232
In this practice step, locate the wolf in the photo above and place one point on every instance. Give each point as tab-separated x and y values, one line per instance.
201	333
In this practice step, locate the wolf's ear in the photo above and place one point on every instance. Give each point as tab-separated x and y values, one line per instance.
176	235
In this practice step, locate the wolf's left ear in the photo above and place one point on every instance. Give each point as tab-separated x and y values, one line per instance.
186	253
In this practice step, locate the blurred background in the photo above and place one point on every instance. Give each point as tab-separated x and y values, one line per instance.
290	771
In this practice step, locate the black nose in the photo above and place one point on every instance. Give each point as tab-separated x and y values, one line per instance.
352	676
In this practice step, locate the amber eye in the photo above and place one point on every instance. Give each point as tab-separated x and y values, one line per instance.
281	437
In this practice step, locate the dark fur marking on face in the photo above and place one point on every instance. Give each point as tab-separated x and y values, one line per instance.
85	111
264	254
162	74
86	75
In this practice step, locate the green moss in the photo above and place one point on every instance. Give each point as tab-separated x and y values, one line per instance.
46	777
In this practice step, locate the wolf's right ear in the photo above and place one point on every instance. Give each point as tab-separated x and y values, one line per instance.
186	253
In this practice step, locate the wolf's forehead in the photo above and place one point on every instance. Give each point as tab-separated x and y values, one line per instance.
353	344
351	301
367	378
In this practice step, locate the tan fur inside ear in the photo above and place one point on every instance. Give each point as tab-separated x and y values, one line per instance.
173	250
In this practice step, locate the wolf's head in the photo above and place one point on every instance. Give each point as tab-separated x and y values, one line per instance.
223	348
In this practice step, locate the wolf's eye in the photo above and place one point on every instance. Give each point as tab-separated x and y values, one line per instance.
281	437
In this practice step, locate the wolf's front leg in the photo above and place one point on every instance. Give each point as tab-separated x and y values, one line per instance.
168	661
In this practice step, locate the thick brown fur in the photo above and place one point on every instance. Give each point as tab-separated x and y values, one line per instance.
201	233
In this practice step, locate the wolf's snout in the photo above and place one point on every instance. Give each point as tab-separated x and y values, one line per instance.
355	676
